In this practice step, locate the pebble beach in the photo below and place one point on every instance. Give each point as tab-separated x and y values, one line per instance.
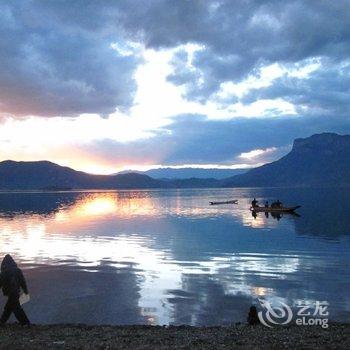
241	336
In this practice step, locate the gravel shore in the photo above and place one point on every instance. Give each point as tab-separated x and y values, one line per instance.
337	336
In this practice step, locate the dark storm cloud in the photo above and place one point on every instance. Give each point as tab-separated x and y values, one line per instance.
55	56
240	37
56	59
196	140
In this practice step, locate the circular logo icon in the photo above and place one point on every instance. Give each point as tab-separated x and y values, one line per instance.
271	315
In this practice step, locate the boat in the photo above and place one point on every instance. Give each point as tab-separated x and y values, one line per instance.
275	210
235	201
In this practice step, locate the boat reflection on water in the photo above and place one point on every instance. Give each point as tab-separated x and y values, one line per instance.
168	257
274	215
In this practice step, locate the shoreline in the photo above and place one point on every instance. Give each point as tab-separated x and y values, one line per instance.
241	336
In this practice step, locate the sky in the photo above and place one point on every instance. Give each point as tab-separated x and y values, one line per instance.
104	86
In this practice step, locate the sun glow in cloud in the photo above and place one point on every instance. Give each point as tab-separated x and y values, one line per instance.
159	99
156	102
266	77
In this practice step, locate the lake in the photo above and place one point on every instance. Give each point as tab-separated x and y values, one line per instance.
168	257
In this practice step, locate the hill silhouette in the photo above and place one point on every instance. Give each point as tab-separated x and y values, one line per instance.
45	175
48	175
318	160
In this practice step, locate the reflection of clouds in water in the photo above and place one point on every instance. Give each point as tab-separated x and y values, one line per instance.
32	244
157	276
202	300
185	256
67	294
125	204
268	265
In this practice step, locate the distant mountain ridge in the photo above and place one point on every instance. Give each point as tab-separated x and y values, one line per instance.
45	175
318	160
48	175
187	173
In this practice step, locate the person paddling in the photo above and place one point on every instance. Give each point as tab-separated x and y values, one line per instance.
254	203
11	282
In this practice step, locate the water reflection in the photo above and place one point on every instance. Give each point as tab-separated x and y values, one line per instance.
274	215
161	257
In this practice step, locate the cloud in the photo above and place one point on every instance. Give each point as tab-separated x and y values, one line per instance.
189	139
325	90
64	58
193	139
56	59
238	38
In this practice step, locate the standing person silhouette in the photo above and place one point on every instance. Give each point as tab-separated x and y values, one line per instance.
11	282
254	202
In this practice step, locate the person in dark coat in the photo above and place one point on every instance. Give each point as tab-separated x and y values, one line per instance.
253	318
11	282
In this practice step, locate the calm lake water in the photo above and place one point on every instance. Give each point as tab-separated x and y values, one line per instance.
168	257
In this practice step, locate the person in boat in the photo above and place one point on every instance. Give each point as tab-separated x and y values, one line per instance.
266	204
276	204
254	203
11	283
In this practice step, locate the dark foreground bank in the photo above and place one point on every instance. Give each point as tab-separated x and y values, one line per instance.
337	336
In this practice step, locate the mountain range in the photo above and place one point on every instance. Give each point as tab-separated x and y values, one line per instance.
45	175
320	160
187	173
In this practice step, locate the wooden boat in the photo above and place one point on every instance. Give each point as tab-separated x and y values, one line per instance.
235	201
275	210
